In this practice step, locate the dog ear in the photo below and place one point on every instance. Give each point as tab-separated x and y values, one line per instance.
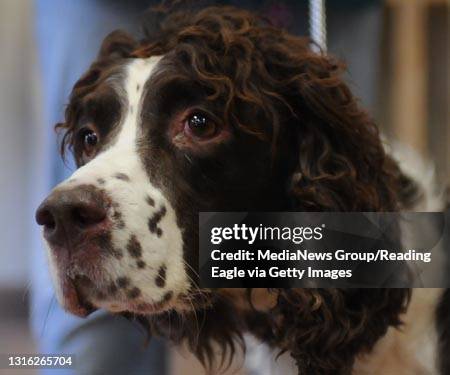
334	325
117	45
341	163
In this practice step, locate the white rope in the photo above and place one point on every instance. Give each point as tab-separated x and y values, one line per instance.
317	24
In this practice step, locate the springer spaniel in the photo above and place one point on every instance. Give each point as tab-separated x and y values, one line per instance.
219	111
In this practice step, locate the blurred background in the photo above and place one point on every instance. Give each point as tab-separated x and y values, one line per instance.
398	53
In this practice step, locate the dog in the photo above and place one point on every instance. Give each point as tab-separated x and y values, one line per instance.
217	110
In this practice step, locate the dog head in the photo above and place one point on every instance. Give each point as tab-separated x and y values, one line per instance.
214	111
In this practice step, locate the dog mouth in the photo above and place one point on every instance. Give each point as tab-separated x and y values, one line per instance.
85	286
81	297
73	300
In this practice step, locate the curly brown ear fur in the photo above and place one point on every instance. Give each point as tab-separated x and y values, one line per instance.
341	165
325	329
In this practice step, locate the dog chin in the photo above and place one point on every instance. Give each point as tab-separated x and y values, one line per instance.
142	308
73	301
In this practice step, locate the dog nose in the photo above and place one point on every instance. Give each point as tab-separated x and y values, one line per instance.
68	213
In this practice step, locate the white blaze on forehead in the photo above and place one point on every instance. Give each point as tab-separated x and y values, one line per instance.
131	197
138	73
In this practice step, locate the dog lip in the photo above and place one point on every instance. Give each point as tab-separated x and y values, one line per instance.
73	301
151	308
148	308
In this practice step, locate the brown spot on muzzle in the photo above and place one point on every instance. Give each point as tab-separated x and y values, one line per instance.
134	247
134	293
104	242
167	297
155	219
150	201
117	217
123	282
112	288
160	279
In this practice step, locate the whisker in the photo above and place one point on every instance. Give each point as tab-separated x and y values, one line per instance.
26	290
50	305
191	268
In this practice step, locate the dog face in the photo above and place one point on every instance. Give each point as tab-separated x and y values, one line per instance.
152	153
219	113
107	225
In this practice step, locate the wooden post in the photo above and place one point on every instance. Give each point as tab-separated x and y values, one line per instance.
408	104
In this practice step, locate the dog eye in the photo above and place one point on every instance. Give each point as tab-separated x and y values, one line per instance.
90	141
200	126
